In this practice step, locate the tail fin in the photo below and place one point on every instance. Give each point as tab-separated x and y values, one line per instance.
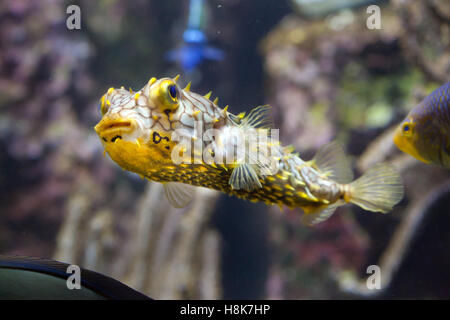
379	189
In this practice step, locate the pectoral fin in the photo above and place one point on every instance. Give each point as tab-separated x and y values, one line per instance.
178	194
244	177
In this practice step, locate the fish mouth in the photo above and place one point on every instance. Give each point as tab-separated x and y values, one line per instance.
398	140
111	129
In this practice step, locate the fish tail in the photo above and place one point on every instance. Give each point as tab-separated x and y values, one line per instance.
379	189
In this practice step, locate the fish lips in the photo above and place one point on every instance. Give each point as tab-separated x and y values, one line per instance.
110	129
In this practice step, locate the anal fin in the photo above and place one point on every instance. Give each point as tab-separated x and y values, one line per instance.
178	194
321	214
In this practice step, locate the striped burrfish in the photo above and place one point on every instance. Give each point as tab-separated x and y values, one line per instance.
184	140
425	132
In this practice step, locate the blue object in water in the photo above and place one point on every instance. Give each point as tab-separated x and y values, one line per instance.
195	48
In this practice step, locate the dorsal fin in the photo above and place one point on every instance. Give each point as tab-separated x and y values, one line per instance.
259	117
332	161
235	119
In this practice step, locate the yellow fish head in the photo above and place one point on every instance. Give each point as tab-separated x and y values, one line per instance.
136	127
406	138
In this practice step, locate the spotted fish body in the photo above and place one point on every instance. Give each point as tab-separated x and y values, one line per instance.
425	132
142	132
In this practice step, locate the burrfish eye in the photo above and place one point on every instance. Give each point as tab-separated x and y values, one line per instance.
173	92
170	92
165	95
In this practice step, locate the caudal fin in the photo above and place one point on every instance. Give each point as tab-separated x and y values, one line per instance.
379	189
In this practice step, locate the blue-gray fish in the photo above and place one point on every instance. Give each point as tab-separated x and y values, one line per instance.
425	132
